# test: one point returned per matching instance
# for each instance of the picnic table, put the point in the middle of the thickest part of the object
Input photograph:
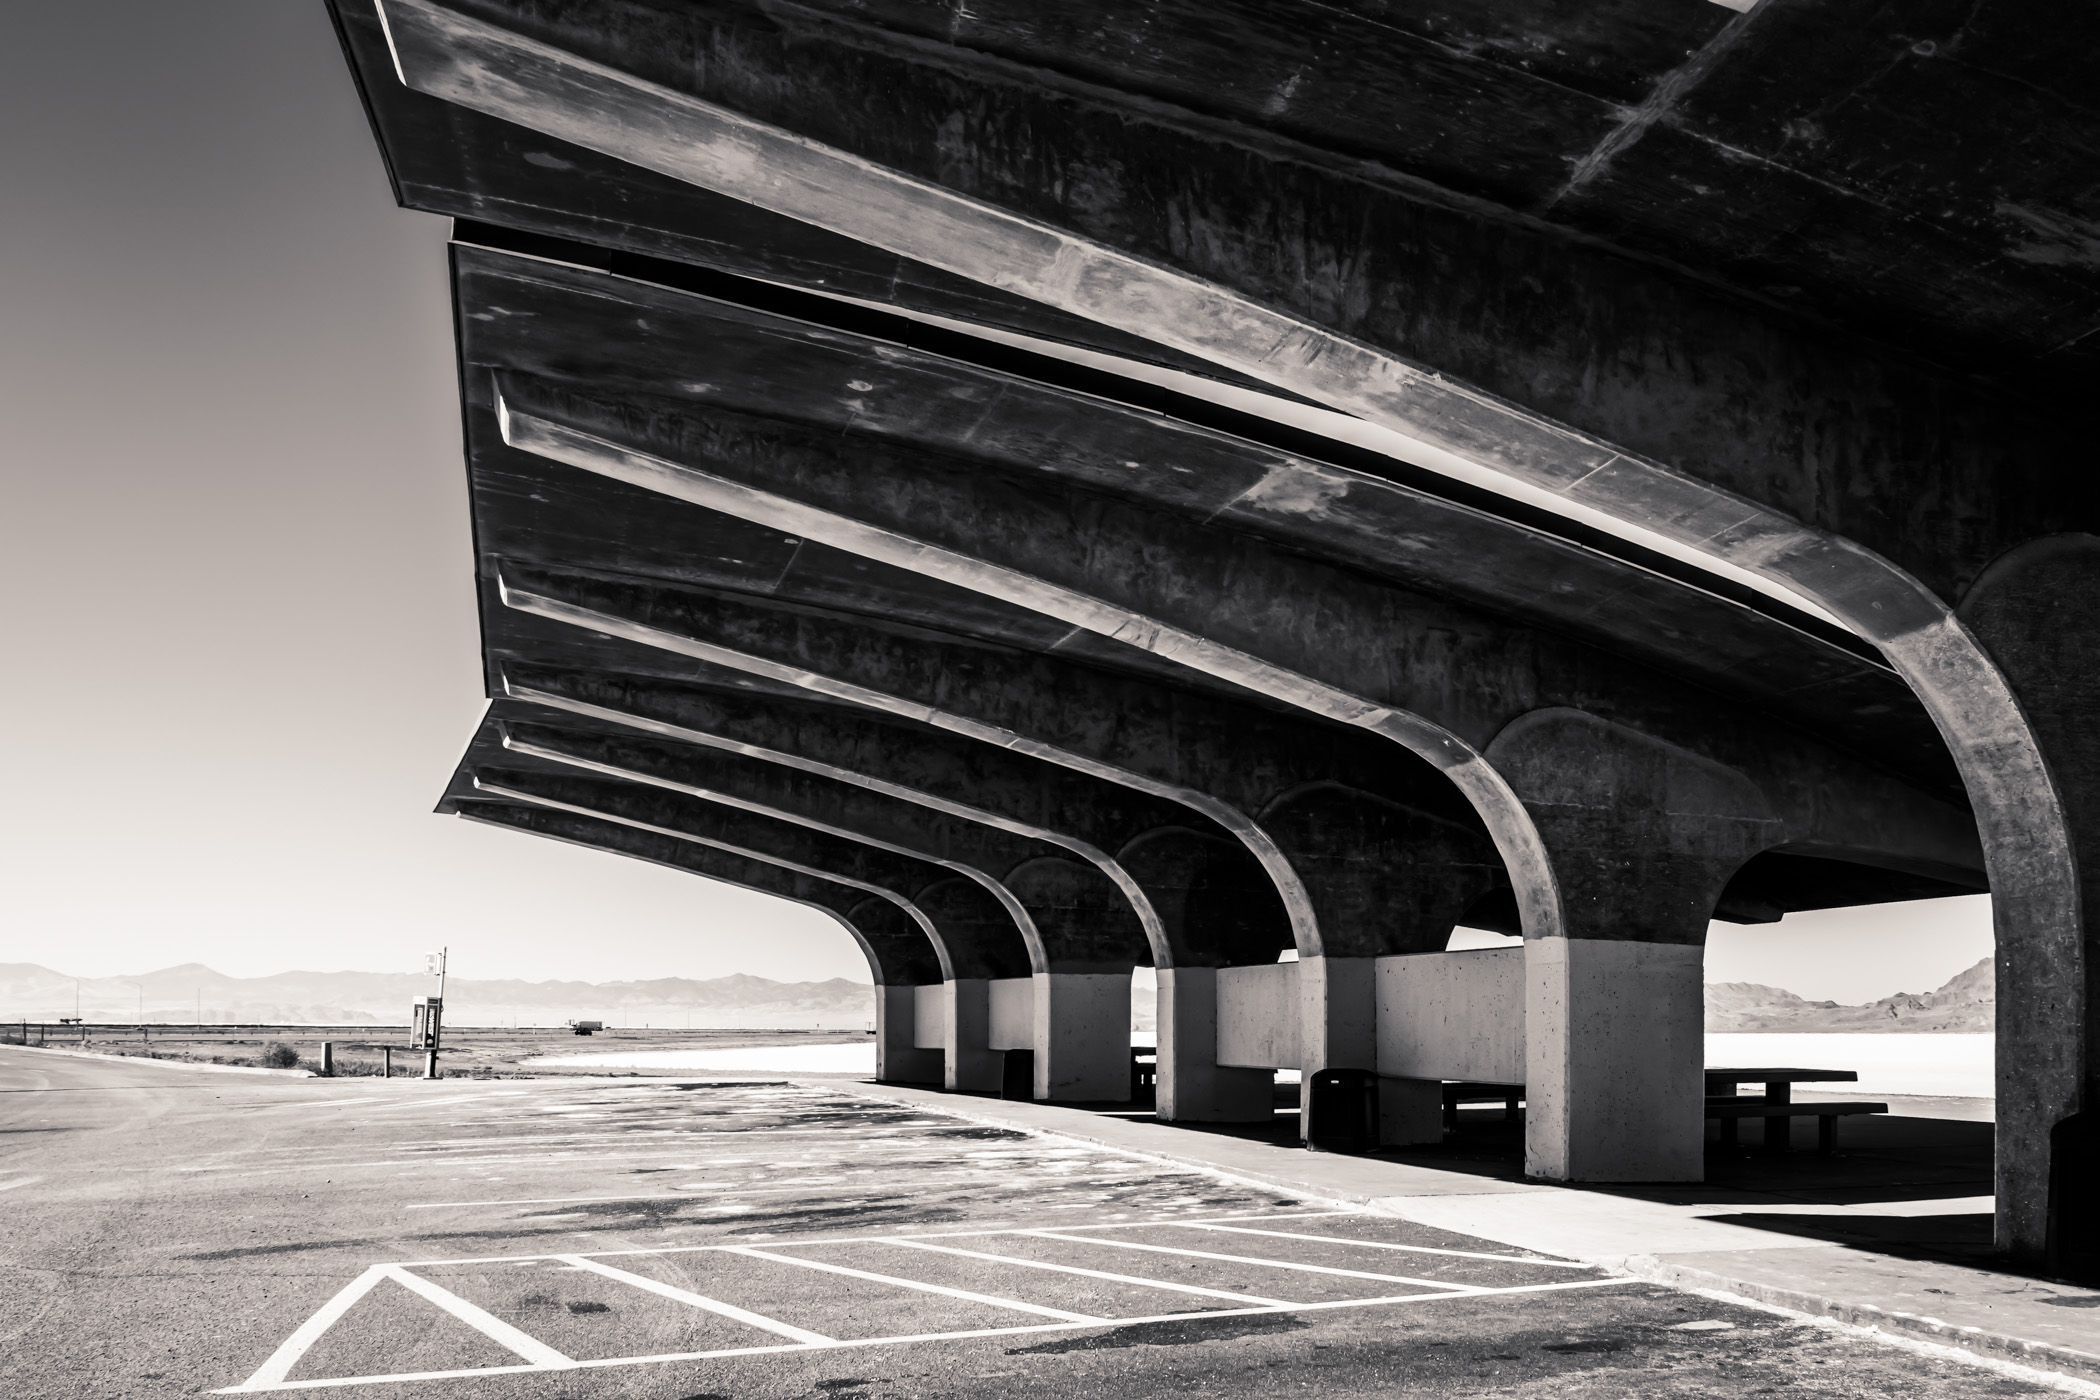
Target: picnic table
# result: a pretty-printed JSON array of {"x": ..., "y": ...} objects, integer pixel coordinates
[{"x": 1776, "y": 1104}]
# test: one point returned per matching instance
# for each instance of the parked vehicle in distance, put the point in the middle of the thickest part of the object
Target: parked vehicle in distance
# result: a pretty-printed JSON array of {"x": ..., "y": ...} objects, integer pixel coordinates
[{"x": 586, "y": 1027}]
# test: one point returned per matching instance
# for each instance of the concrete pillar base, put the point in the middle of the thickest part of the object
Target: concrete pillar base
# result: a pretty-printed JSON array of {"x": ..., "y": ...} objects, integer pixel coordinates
[
  {"x": 1082, "y": 1037},
  {"x": 899, "y": 1058},
  {"x": 1193, "y": 1087},
  {"x": 1614, "y": 1060}
]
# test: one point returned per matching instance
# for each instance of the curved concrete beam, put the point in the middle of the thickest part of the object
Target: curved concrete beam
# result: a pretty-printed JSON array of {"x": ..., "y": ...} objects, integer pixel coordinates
[
  {"x": 1515, "y": 837},
  {"x": 863, "y": 817},
  {"x": 761, "y": 877},
  {"x": 1108, "y": 865},
  {"x": 956, "y": 960},
  {"x": 1148, "y": 768},
  {"x": 903, "y": 905},
  {"x": 991, "y": 886}
]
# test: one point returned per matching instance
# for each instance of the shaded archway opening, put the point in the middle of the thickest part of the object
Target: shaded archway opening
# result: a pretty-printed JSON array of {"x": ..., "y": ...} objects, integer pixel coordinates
[{"x": 1388, "y": 872}]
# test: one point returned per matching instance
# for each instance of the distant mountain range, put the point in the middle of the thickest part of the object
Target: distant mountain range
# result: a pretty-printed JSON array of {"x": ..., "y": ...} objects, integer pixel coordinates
[
  {"x": 1967, "y": 1003},
  {"x": 179, "y": 994}
]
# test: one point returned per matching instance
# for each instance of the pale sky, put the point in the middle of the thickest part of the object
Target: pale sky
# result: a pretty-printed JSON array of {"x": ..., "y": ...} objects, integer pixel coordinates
[
  {"x": 233, "y": 532},
  {"x": 234, "y": 541}
]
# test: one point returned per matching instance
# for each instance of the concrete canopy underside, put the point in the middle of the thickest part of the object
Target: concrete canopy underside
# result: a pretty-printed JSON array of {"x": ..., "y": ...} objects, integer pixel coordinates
[{"x": 1333, "y": 510}]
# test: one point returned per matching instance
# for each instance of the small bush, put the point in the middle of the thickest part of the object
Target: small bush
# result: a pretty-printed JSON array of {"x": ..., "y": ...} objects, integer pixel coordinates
[{"x": 280, "y": 1056}]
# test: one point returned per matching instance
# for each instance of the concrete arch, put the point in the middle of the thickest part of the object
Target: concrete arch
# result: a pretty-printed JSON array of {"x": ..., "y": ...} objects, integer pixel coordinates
[
  {"x": 537, "y": 747},
  {"x": 1392, "y": 878},
  {"x": 1112, "y": 869},
  {"x": 1079, "y": 930},
  {"x": 975, "y": 937},
  {"x": 1530, "y": 873},
  {"x": 1070, "y": 918},
  {"x": 1228, "y": 912},
  {"x": 623, "y": 613},
  {"x": 899, "y": 951}
]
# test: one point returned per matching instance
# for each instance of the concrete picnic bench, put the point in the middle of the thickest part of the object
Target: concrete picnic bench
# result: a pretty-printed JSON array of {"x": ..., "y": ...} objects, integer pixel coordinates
[{"x": 1775, "y": 1106}]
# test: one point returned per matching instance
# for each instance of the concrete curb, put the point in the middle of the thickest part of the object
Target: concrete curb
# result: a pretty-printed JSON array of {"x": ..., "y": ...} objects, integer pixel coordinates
[
  {"x": 166, "y": 1064},
  {"x": 1046, "y": 1119},
  {"x": 2041, "y": 1356}
]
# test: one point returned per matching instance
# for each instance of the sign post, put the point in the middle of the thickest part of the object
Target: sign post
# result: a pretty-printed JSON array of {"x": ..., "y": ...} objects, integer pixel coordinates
[{"x": 430, "y": 1015}]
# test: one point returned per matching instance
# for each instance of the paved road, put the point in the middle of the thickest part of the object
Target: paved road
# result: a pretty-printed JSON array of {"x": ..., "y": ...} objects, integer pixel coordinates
[{"x": 171, "y": 1232}]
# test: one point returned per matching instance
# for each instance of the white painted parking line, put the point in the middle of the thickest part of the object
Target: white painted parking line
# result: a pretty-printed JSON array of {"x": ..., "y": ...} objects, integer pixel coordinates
[
  {"x": 271, "y": 1373},
  {"x": 793, "y": 1241},
  {"x": 541, "y": 1201},
  {"x": 1014, "y": 1304},
  {"x": 658, "y": 1196},
  {"x": 1259, "y": 1263},
  {"x": 1093, "y": 1273},
  {"x": 452, "y": 1102},
  {"x": 628, "y": 1134},
  {"x": 1376, "y": 1244},
  {"x": 1212, "y": 1219},
  {"x": 494, "y": 1328},
  {"x": 713, "y": 1305},
  {"x": 971, "y": 1334}
]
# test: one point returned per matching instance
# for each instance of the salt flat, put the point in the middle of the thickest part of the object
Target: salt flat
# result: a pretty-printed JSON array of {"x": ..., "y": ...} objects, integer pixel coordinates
[{"x": 1937, "y": 1065}]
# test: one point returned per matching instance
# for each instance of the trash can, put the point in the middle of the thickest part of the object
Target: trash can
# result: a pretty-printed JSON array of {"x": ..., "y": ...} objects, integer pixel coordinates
[
  {"x": 1017, "y": 1075},
  {"x": 1343, "y": 1110}
]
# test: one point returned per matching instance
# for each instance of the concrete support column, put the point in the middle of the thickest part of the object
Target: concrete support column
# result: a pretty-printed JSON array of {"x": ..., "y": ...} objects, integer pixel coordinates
[
  {"x": 965, "y": 1010},
  {"x": 1643, "y": 836},
  {"x": 1614, "y": 1053},
  {"x": 1082, "y": 1036},
  {"x": 899, "y": 1059},
  {"x": 2036, "y": 609},
  {"x": 1193, "y": 1086},
  {"x": 1338, "y": 1029}
]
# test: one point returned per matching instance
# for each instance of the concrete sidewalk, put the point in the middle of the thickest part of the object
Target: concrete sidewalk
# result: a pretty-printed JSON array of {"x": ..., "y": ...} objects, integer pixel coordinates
[{"x": 1714, "y": 1246}]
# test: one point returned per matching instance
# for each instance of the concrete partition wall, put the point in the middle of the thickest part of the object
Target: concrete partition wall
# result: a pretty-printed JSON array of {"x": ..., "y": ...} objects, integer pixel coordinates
[
  {"x": 1194, "y": 1084},
  {"x": 1257, "y": 1016},
  {"x": 1082, "y": 1036},
  {"x": 1457, "y": 1015},
  {"x": 1322, "y": 1013},
  {"x": 1011, "y": 1021},
  {"x": 955, "y": 1017},
  {"x": 899, "y": 1057}
]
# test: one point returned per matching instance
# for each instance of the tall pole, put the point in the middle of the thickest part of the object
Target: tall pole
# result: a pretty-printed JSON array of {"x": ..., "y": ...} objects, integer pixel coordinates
[{"x": 437, "y": 1030}]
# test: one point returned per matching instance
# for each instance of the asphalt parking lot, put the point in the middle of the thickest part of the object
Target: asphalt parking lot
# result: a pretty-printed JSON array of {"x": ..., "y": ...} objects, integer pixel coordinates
[{"x": 172, "y": 1232}]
